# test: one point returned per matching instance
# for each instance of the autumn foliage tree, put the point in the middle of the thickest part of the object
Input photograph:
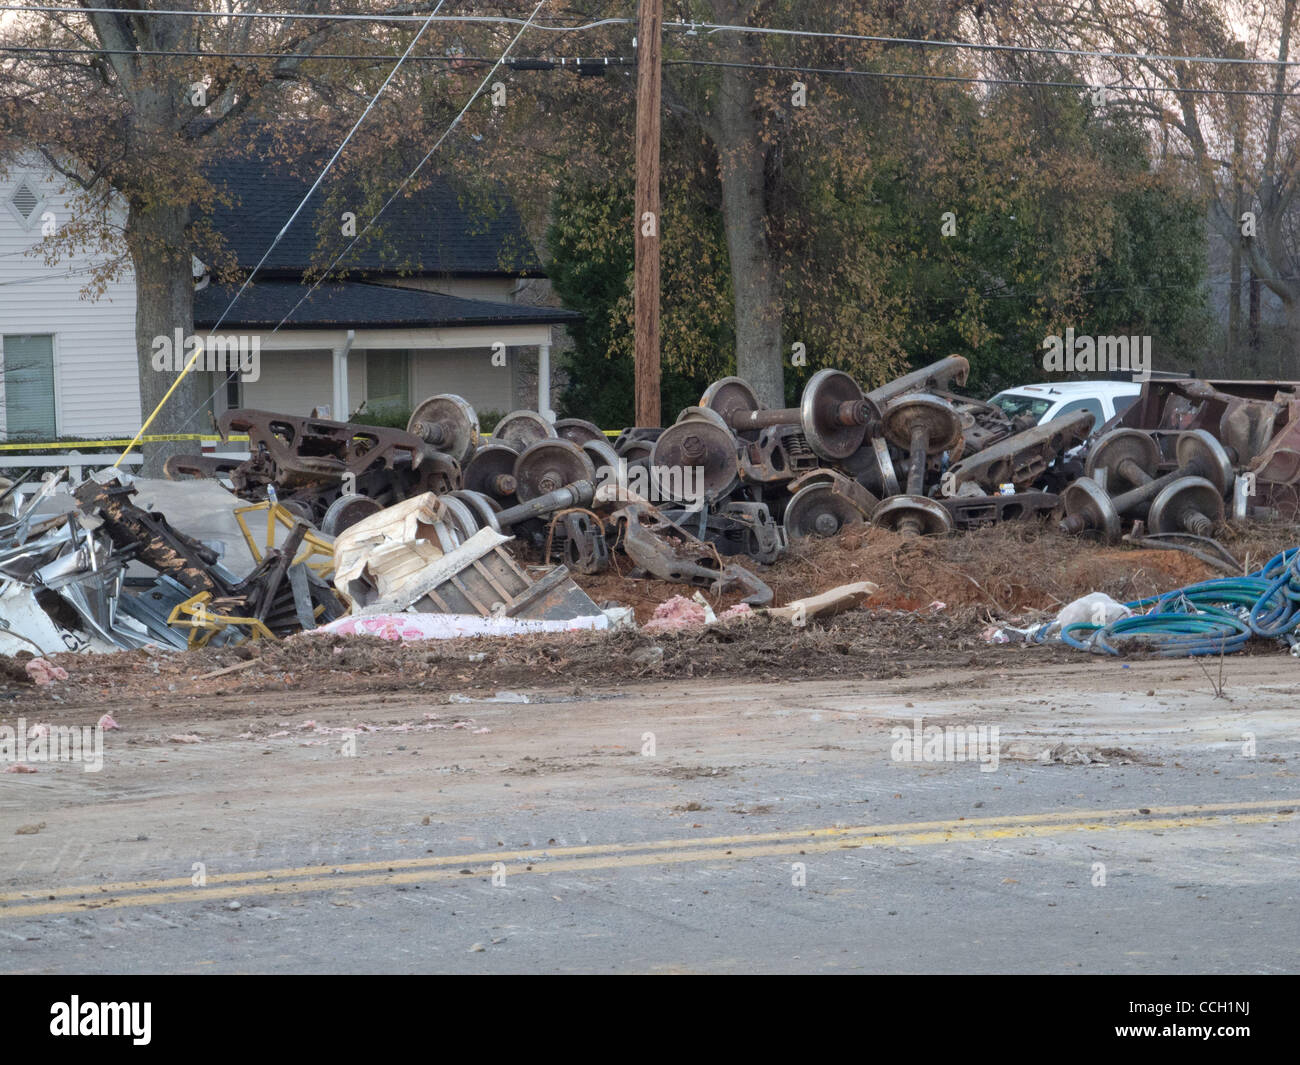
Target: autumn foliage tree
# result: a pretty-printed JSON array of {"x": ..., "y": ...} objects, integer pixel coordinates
[
  {"x": 133, "y": 109},
  {"x": 861, "y": 203},
  {"x": 1227, "y": 131},
  {"x": 896, "y": 214}
]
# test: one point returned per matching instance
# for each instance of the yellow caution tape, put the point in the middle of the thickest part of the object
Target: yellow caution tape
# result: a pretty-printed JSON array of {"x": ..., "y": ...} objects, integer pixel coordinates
[
  {"x": 55, "y": 445},
  {"x": 166, "y": 396},
  {"x": 155, "y": 438}
]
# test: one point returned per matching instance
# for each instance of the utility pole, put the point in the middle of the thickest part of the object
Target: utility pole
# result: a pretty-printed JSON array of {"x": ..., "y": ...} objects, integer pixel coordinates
[{"x": 649, "y": 76}]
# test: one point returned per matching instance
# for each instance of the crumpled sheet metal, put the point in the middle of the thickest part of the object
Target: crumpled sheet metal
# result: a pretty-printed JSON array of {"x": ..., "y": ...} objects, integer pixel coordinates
[
  {"x": 25, "y": 625},
  {"x": 380, "y": 552},
  {"x": 69, "y": 582}
]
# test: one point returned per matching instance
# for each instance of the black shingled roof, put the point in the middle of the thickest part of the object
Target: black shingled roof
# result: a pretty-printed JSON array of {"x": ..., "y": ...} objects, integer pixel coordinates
[
  {"x": 356, "y": 304},
  {"x": 439, "y": 230}
]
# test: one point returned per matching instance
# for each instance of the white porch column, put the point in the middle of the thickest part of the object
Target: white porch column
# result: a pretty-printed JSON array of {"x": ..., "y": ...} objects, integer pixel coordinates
[
  {"x": 544, "y": 381},
  {"x": 340, "y": 356}
]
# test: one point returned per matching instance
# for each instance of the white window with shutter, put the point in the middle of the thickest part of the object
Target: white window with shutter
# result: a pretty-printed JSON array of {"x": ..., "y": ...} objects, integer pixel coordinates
[{"x": 29, "y": 397}]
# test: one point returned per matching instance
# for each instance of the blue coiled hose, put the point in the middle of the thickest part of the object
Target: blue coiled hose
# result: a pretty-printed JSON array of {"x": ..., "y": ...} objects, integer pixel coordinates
[{"x": 1209, "y": 618}]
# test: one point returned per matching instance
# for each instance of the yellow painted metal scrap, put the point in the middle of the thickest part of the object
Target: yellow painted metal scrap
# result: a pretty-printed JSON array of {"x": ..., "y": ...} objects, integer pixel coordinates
[
  {"x": 205, "y": 624},
  {"x": 316, "y": 551}
]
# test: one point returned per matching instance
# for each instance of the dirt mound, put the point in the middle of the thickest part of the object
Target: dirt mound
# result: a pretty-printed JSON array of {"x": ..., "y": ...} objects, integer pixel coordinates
[{"x": 1008, "y": 569}]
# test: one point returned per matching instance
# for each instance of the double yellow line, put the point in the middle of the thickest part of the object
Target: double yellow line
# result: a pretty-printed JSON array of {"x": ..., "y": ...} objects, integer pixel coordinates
[{"x": 593, "y": 857}]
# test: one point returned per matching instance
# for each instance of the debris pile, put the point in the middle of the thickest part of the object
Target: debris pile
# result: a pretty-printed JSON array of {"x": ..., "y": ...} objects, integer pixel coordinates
[
  {"x": 730, "y": 478},
  {"x": 1189, "y": 455},
  {"x": 914, "y": 457},
  {"x": 109, "y": 575},
  {"x": 434, "y": 530},
  {"x": 910, "y": 456},
  {"x": 561, "y": 490}
]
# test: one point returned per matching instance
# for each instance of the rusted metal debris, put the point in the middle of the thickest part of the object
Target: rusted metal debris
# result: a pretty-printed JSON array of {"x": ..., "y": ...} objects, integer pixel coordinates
[
  {"x": 1256, "y": 422},
  {"x": 916, "y": 457},
  {"x": 531, "y": 482},
  {"x": 731, "y": 478},
  {"x": 310, "y": 463},
  {"x": 663, "y": 549},
  {"x": 150, "y": 538},
  {"x": 472, "y": 527},
  {"x": 468, "y": 526},
  {"x": 911, "y": 455}
]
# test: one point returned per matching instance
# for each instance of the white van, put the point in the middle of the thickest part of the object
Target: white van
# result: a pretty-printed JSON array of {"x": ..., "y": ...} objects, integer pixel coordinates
[{"x": 1047, "y": 402}]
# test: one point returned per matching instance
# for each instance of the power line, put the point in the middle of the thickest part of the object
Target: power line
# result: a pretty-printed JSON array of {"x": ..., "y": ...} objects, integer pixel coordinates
[
  {"x": 581, "y": 63},
  {"x": 302, "y": 16},
  {"x": 196, "y": 53},
  {"x": 328, "y": 166},
  {"x": 791, "y": 68},
  {"x": 691, "y": 28},
  {"x": 283, "y": 230},
  {"x": 70, "y": 272},
  {"x": 387, "y": 203},
  {"x": 409, "y": 177},
  {"x": 520, "y": 63}
]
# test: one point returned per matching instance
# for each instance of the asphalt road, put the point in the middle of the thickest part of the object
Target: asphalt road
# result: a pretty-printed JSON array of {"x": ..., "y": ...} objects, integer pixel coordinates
[{"x": 770, "y": 828}]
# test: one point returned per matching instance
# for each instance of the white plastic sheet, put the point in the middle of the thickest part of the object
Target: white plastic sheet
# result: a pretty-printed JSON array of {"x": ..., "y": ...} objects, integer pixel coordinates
[{"x": 420, "y": 626}]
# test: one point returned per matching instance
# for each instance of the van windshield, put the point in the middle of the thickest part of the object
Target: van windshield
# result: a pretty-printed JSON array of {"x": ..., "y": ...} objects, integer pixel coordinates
[{"x": 1014, "y": 406}]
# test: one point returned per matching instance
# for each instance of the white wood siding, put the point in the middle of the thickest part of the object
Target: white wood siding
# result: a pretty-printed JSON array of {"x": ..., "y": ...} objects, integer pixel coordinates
[
  {"x": 292, "y": 382},
  {"x": 469, "y": 374},
  {"x": 97, "y": 388}
]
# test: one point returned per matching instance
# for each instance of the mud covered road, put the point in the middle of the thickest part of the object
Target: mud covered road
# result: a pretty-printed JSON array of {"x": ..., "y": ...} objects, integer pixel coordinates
[{"x": 423, "y": 817}]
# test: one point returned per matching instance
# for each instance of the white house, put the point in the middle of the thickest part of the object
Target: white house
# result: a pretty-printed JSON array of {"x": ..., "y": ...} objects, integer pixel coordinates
[
  {"x": 435, "y": 299},
  {"x": 69, "y": 366}
]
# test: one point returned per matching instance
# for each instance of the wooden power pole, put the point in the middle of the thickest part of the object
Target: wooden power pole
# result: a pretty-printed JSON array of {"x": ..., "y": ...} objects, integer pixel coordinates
[{"x": 646, "y": 283}]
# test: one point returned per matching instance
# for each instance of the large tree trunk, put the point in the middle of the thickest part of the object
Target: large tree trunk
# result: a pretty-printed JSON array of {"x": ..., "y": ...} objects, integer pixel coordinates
[
  {"x": 1288, "y": 363},
  {"x": 157, "y": 238},
  {"x": 754, "y": 274},
  {"x": 1253, "y": 327},
  {"x": 1234, "y": 286}
]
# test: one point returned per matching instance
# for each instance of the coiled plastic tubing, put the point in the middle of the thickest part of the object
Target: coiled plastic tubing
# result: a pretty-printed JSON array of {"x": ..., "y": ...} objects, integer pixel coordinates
[{"x": 1210, "y": 618}]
